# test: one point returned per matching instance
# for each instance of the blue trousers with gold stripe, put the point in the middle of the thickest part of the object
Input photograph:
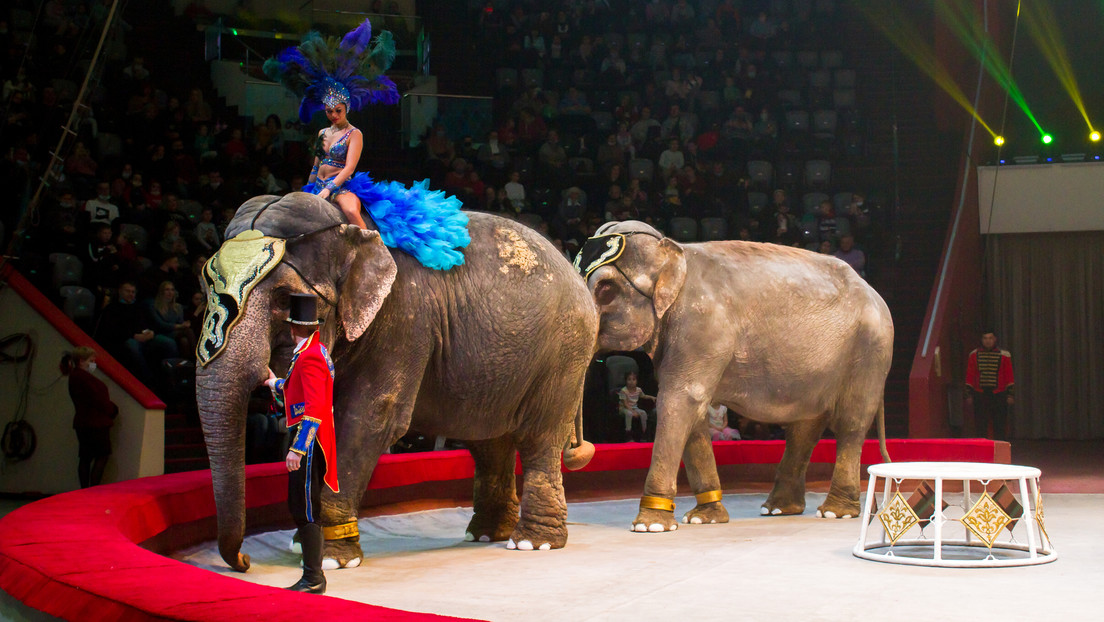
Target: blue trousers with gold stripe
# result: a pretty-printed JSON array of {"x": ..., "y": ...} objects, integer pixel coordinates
[{"x": 305, "y": 485}]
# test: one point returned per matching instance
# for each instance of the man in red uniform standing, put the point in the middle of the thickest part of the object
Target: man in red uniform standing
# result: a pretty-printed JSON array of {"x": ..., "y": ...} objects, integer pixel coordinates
[
  {"x": 307, "y": 396},
  {"x": 989, "y": 377}
]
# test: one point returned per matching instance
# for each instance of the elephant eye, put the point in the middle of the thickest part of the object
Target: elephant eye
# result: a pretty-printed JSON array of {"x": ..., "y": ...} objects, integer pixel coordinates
[
  {"x": 605, "y": 292},
  {"x": 280, "y": 299}
]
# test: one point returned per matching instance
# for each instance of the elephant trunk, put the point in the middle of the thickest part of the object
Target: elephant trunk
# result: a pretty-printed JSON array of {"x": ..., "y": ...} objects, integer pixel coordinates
[{"x": 222, "y": 393}]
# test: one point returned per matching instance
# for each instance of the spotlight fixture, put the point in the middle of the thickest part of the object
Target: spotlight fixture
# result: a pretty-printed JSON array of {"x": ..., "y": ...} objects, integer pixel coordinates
[
  {"x": 999, "y": 140},
  {"x": 1047, "y": 139},
  {"x": 1095, "y": 136}
]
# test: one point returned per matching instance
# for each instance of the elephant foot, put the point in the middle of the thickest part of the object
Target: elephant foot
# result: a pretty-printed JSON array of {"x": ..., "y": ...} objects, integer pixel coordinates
[
  {"x": 483, "y": 528},
  {"x": 835, "y": 507},
  {"x": 537, "y": 537},
  {"x": 706, "y": 514},
  {"x": 654, "y": 521},
  {"x": 342, "y": 554},
  {"x": 783, "y": 503}
]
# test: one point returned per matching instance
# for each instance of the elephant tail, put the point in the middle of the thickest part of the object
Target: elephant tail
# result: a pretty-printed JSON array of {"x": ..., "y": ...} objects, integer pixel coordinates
[{"x": 881, "y": 432}]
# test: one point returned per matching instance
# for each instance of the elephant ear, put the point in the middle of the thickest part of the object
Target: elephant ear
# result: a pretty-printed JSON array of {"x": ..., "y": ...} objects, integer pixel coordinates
[
  {"x": 671, "y": 276},
  {"x": 368, "y": 274}
]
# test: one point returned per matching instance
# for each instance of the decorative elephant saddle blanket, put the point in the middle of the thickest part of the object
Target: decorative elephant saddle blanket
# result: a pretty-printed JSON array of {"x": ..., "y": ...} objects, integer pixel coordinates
[{"x": 230, "y": 275}]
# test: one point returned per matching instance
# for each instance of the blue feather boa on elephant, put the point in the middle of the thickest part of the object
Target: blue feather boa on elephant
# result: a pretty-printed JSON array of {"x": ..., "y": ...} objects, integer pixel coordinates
[{"x": 426, "y": 223}]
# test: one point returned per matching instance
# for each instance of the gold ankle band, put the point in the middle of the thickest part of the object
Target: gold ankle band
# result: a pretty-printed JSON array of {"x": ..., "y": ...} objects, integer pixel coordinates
[
  {"x": 657, "y": 503},
  {"x": 340, "y": 532},
  {"x": 711, "y": 496}
]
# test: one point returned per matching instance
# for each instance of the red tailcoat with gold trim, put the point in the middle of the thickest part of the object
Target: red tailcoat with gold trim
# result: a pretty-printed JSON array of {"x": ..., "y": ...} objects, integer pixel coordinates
[{"x": 307, "y": 394}]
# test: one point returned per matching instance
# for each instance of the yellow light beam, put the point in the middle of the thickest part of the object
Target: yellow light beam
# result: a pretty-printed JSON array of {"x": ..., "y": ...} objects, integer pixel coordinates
[
  {"x": 891, "y": 21},
  {"x": 1043, "y": 28}
]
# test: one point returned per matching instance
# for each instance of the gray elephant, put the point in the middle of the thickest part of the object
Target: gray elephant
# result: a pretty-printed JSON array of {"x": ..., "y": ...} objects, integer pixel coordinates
[
  {"x": 776, "y": 334},
  {"x": 492, "y": 352}
]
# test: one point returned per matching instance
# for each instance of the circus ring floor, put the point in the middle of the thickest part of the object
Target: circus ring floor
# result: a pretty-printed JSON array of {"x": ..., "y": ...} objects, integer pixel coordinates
[{"x": 119, "y": 552}]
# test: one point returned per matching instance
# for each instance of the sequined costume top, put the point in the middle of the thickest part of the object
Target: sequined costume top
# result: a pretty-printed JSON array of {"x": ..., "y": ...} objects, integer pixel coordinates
[{"x": 338, "y": 152}]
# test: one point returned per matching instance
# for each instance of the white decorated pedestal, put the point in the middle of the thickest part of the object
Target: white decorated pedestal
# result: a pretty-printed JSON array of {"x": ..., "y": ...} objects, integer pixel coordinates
[{"x": 996, "y": 520}]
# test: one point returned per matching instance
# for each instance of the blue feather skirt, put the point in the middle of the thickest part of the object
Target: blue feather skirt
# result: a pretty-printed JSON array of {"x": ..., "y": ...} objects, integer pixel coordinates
[{"x": 427, "y": 224}]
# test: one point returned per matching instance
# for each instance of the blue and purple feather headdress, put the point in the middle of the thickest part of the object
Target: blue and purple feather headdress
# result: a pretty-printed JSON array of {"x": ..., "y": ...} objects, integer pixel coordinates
[{"x": 324, "y": 71}]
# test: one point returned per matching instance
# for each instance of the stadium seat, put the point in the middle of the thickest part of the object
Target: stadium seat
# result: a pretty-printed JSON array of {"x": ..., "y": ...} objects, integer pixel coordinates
[
  {"x": 582, "y": 167},
  {"x": 683, "y": 229},
  {"x": 617, "y": 367},
  {"x": 783, "y": 59},
  {"x": 840, "y": 201},
  {"x": 797, "y": 120},
  {"x": 642, "y": 169},
  {"x": 757, "y": 201},
  {"x": 808, "y": 59},
  {"x": 831, "y": 59},
  {"x": 507, "y": 78},
  {"x": 790, "y": 173},
  {"x": 811, "y": 200},
  {"x": 845, "y": 78},
  {"x": 824, "y": 123},
  {"x": 603, "y": 121},
  {"x": 760, "y": 172},
  {"x": 137, "y": 235},
  {"x": 820, "y": 79},
  {"x": 790, "y": 98},
  {"x": 68, "y": 269},
  {"x": 818, "y": 173},
  {"x": 710, "y": 100},
  {"x": 78, "y": 302},
  {"x": 532, "y": 77},
  {"x": 713, "y": 229},
  {"x": 192, "y": 209},
  {"x": 843, "y": 98}
]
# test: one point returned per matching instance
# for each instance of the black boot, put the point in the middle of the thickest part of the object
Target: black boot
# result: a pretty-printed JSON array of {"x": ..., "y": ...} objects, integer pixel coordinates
[{"x": 313, "y": 581}]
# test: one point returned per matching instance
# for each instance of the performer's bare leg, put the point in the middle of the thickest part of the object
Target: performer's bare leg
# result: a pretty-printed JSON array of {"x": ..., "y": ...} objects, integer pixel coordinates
[{"x": 350, "y": 206}]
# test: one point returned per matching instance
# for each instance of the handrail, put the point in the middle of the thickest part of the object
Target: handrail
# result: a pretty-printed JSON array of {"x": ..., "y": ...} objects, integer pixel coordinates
[{"x": 74, "y": 335}]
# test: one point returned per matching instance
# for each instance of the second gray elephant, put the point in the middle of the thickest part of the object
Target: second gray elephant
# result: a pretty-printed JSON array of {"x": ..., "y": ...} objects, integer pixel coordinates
[{"x": 776, "y": 334}]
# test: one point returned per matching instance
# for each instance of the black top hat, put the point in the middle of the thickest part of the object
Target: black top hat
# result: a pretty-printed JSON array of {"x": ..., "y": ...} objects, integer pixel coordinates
[{"x": 304, "y": 310}]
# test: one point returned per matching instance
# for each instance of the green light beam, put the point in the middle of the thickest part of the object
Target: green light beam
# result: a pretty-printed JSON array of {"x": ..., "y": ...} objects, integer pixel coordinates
[{"x": 971, "y": 33}]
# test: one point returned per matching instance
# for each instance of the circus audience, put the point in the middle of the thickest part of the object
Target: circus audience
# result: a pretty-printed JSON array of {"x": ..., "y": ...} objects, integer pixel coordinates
[{"x": 618, "y": 110}]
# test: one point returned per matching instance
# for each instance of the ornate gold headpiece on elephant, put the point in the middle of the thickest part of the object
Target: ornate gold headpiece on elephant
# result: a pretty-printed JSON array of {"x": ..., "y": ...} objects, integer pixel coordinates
[{"x": 255, "y": 243}]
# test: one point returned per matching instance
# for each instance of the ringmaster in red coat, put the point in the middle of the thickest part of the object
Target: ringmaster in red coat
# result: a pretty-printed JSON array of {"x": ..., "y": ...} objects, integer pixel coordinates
[
  {"x": 989, "y": 378},
  {"x": 307, "y": 396}
]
